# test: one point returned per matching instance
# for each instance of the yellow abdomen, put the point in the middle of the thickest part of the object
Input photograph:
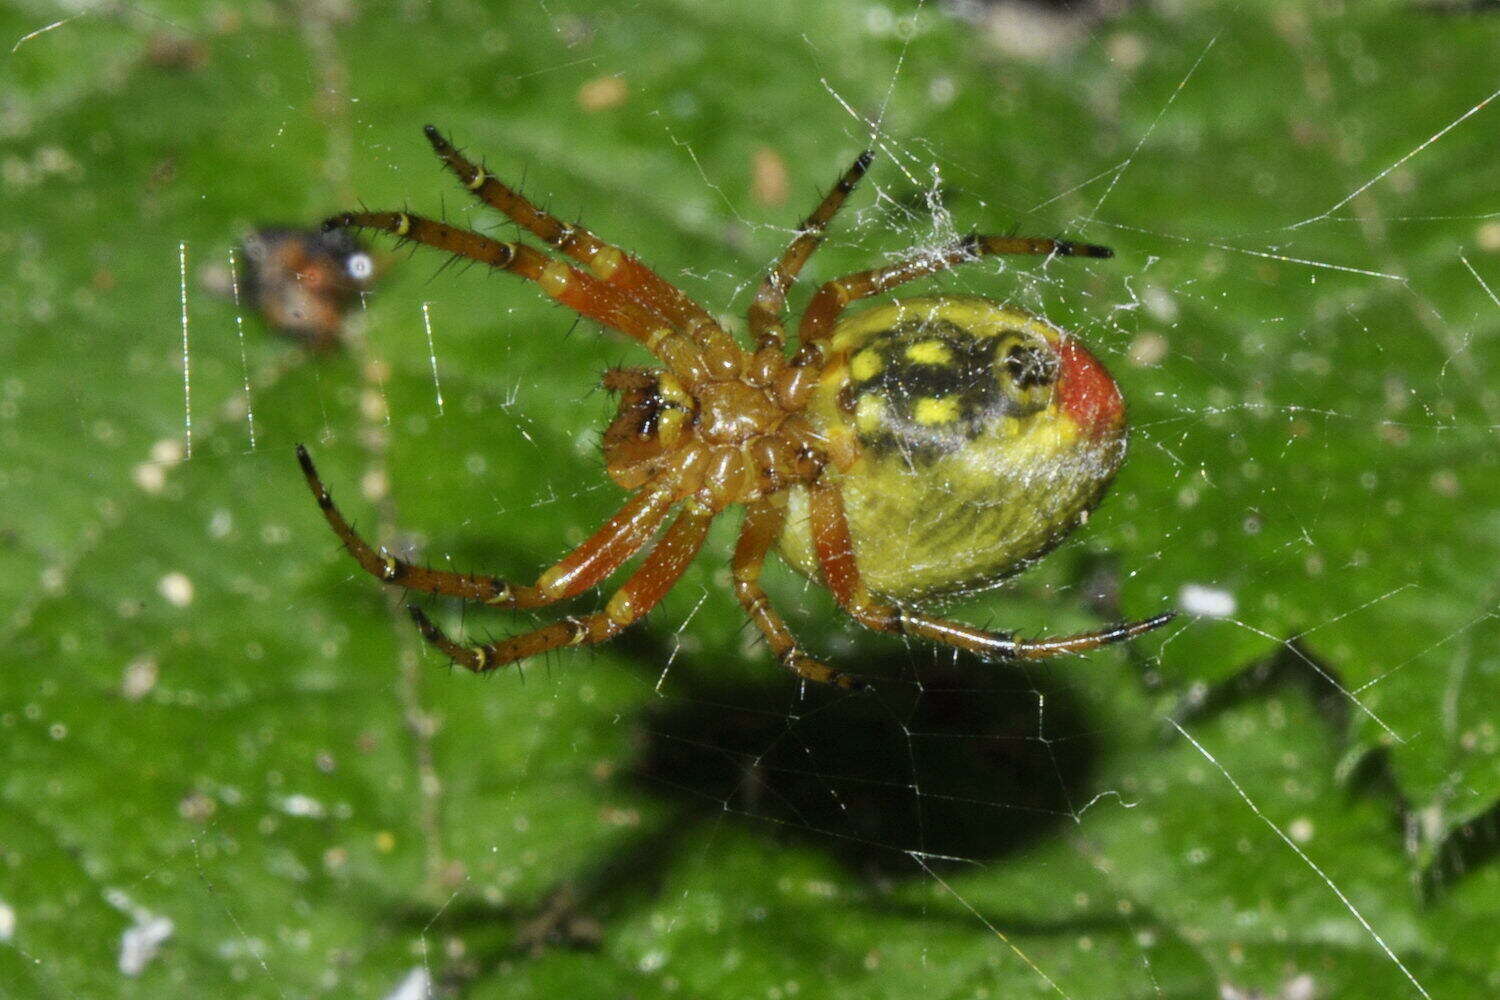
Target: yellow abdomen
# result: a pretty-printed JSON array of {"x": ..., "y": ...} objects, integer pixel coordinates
[{"x": 967, "y": 439}]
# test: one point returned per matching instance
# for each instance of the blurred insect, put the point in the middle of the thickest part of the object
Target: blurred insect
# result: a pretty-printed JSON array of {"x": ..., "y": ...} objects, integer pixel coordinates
[
  {"x": 302, "y": 281},
  {"x": 921, "y": 448}
]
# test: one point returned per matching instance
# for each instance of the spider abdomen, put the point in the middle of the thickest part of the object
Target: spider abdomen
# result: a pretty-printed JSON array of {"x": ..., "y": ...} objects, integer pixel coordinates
[{"x": 967, "y": 439}]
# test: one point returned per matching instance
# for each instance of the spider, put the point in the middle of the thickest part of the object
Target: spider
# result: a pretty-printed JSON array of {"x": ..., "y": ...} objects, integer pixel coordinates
[{"x": 922, "y": 448}]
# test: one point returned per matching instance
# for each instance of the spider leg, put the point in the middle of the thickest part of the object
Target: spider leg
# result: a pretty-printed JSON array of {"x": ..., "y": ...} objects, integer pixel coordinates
[
  {"x": 607, "y": 263},
  {"x": 637, "y": 595},
  {"x": 830, "y": 531},
  {"x": 832, "y": 298},
  {"x": 580, "y": 292},
  {"x": 695, "y": 359},
  {"x": 765, "y": 310},
  {"x": 604, "y": 552},
  {"x": 763, "y": 522}
]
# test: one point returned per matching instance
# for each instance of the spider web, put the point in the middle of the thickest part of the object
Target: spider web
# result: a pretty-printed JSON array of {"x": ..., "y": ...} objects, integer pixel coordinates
[{"x": 236, "y": 764}]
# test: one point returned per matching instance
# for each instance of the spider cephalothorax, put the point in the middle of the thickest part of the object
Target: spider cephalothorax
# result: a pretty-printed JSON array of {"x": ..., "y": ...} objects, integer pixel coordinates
[{"x": 922, "y": 447}]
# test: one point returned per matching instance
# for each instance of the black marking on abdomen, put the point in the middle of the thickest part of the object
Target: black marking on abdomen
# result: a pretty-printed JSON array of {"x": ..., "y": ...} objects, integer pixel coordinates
[{"x": 928, "y": 368}]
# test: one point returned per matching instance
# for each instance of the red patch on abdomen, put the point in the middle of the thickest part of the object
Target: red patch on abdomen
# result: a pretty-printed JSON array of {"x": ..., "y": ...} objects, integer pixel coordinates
[{"x": 1087, "y": 392}]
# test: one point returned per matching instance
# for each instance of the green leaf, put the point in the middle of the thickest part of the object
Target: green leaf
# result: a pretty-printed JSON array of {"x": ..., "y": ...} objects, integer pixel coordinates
[{"x": 234, "y": 769}]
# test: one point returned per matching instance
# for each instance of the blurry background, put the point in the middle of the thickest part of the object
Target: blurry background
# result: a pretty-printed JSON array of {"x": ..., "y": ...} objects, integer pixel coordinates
[{"x": 232, "y": 769}]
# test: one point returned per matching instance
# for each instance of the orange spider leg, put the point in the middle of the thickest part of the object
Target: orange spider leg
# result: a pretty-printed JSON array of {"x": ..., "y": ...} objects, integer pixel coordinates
[
  {"x": 580, "y": 292},
  {"x": 605, "y": 261},
  {"x": 765, "y": 310},
  {"x": 762, "y": 527},
  {"x": 604, "y": 552},
  {"x": 831, "y": 299},
  {"x": 645, "y": 588},
  {"x": 830, "y": 531}
]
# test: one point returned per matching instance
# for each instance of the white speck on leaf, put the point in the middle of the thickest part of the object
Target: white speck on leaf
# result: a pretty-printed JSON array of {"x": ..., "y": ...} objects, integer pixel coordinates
[
  {"x": 1207, "y": 602},
  {"x": 140, "y": 678},
  {"x": 177, "y": 589},
  {"x": 141, "y": 940},
  {"x": 303, "y": 805},
  {"x": 417, "y": 985}
]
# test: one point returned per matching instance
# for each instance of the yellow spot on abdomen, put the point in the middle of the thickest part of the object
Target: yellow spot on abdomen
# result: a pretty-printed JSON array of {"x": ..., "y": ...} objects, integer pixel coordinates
[
  {"x": 869, "y": 413},
  {"x": 931, "y": 411},
  {"x": 929, "y": 352},
  {"x": 1043, "y": 438},
  {"x": 866, "y": 365}
]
